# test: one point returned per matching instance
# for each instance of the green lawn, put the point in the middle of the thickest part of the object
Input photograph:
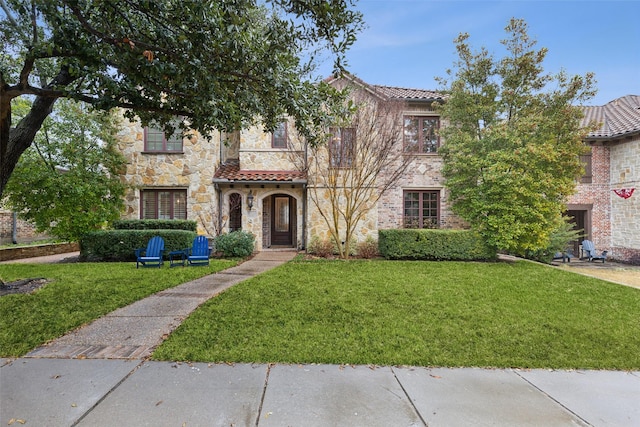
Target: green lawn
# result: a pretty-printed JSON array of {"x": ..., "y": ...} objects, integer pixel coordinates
[
  {"x": 77, "y": 294},
  {"x": 416, "y": 313}
]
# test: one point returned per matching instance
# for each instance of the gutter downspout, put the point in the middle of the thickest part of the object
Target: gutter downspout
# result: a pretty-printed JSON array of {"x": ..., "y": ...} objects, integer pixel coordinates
[
  {"x": 304, "y": 217},
  {"x": 14, "y": 227}
]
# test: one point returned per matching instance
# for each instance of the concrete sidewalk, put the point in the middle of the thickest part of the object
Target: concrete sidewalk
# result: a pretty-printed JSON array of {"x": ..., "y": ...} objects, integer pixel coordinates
[
  {"x": 90, "y": 392},
  {"x": 98, "y": 375}
]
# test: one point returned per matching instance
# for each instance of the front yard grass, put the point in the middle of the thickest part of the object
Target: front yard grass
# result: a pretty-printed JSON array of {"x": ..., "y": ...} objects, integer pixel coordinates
[
  {"x": 78, "y": 293},
  {"x": 416, "y": 313}
]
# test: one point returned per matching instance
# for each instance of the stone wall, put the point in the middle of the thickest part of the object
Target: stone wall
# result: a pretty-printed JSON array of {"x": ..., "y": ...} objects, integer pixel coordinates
[
  {"x": 625, "y": 213},
  {"x": 191, "y": 170},
  {"x": 10, "y": 254},
  {"x": 256, "y": 153}
]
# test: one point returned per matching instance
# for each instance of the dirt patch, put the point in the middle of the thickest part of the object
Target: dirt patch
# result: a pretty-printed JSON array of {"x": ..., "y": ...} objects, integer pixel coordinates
[{"x": 23, "y": 286}]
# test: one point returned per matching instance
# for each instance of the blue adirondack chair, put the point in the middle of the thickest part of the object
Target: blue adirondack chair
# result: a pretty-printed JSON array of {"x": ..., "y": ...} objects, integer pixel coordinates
[
  {"x": 152, "y": 255},
  {"x": 198, "y": 253},
  {"x": 589, "y": 249}
]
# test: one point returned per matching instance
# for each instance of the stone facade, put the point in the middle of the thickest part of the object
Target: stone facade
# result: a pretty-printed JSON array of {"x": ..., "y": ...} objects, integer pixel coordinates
[
  {"x": 625, "y": 213},
  {"x": 191, "y": 170},
  {"x": 239, "y": 180}
]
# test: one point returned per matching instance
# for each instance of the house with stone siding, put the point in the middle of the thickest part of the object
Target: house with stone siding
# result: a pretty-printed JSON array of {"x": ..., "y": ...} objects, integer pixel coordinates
[
  {"x": 253, "y": 179},
  {"x": 606, "y": 204}
]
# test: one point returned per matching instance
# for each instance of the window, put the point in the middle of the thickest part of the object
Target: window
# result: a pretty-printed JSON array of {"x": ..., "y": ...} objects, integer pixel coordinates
[
  {"x": 164, "y": 204},
  {"x": 586, "y": 162},
  {"x": 421, "y": 209},
  {"x": 235, "y": 212},
  {"x": 420, "y": 134},
  {"x": 154, "y": 139},
  {"x": 279, "y": 136},
  {"x": 341, "y": 147}
]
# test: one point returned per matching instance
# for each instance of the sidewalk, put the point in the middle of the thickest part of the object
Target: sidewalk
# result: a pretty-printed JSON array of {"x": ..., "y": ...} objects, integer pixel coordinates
[
  {"x": 98, "y": 375},
  {"x": 92, "y": 393}
]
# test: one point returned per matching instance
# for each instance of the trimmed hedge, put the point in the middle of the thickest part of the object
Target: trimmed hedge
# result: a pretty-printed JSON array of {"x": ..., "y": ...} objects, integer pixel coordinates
[
  {"x": 427, "y": 244},
  {"x": 120, "y": 245},
  {"x": 155, "y": 224}
]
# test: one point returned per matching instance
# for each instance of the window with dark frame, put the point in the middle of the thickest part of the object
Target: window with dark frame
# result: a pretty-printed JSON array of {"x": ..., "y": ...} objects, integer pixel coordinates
[
  {"x": 587, "y": 177},
  {"x": 420, "y": 134},
  {"x": 341, "y": 147},
  {"x": 279, "y": 136},
  {"x": 235, "y": 212},
  {"x": 156, "y": 141},
  {"x": 163, "y": 204},
  {"x": 421, "y": 209}
]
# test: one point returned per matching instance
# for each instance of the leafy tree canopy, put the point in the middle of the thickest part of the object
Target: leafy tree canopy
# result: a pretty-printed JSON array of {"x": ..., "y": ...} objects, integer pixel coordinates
[
  {"x": 67, "y": 183},
  {"x": 220, "y": 63},
  {"x": 512, "y": 141}
]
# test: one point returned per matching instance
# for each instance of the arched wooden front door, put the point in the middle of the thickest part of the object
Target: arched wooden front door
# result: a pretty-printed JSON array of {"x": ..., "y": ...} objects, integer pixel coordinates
[{"x": 282, "y": 221}]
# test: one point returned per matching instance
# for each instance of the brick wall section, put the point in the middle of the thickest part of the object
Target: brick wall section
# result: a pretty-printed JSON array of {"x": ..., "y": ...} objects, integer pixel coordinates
[
  {"x": 597, "y": 194},
  {"x": 26, "y": 232}
]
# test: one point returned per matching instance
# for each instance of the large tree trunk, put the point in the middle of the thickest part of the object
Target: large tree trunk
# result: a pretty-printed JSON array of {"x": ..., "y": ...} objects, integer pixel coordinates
[{"x": 14, "y": 142}]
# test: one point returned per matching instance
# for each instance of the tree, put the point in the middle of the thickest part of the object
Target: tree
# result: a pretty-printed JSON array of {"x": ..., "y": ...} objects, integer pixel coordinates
[
  {"x": 67, "y": 182},
  {"x": 223, "y": 64},
  {"x": 512, "y": 141},
  {"x": 361, "y": 161}
]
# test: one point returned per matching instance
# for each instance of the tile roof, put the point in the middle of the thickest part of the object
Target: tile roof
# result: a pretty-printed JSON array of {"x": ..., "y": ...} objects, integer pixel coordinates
[
  {"x": 409, "y": 94},
  {"x": 231, "y": 172},
  {"x": 617, "y": 119}
]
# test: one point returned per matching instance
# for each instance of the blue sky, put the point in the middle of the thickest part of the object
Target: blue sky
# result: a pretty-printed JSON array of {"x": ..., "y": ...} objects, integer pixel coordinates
[{"x": 409, "y": 42}]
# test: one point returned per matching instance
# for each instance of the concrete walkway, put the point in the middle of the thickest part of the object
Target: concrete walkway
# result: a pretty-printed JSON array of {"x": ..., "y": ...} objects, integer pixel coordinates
[
  {"x": 132, "y": 332},
  {"x": 98, "y": 375}
]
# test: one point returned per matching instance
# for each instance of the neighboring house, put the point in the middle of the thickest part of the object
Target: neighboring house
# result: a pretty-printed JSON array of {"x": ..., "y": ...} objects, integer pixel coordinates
[
  {"x": 607, "y": 202},
  {"x": 259, "y": 181}
]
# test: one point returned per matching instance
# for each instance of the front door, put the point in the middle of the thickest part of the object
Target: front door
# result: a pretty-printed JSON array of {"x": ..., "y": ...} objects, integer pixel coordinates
[
  {"x": 281, "y": 224},
  {"x": 579, "y": 220}
]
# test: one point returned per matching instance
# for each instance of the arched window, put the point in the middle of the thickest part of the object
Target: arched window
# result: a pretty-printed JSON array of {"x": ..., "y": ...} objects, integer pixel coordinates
[{"x": 235, "y": 212}]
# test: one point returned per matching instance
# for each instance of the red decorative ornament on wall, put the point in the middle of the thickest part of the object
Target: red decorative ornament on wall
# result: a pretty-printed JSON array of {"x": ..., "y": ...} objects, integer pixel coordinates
[{"x": 625, "y": 193}]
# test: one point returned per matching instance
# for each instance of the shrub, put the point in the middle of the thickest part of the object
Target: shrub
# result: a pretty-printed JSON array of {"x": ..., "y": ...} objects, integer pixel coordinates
[
  {"x": 155, "y": 224},
  {"x": 323, "y": 248},
  {"x": 120, "y": 245},
  {"x": 421, "y": 244},
  {"x": 235, "y": 244},
  {"x": 369, "y": 248}
]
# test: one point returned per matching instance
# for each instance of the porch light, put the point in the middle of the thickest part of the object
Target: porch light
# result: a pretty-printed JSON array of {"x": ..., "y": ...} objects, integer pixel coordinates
[{"x": 250, "y": 200}]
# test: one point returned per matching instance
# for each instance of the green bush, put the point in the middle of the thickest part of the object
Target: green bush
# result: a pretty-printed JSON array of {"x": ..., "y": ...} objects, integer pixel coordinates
[
  {"x": 235, "y": 244},
  {"x": 120, "y": 245},
  {"x": 422, "y": 244},
  {"x": 155, "y": 224}
]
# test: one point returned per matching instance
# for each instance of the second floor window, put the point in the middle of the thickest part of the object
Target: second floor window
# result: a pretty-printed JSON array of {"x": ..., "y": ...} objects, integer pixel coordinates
[
  {"x": 155, "y": 140},
  {"x": 164, "y": 204},
  {"x": 279, "y": 136},
  {"x": 588, "y": 174},
  {"x": 420, "y": 134},
  {"x": 341, "y": 147}
]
